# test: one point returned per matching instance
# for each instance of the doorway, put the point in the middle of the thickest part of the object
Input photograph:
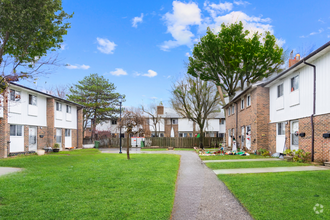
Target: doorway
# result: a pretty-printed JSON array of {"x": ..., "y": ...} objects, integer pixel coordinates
[
  {"x": 68, "y": 139},
  {"x": 280, "y": 137},
  {"x": 294, "y": 135},
  {"x": 33, "y": 139},
  {"x": 59, "y": 137}
]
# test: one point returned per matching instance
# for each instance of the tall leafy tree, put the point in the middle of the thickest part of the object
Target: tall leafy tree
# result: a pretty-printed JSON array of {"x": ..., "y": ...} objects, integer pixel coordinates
[
  {"x": 28, "y": 31},
  {"x": 235, "y": 57},
  {"x": 196, "y": 100},
  {"x": 98, "y": 96}
]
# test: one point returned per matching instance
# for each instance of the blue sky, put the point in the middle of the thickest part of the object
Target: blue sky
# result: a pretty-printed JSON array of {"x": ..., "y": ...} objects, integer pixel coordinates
[{"x": 142, "y": 46}]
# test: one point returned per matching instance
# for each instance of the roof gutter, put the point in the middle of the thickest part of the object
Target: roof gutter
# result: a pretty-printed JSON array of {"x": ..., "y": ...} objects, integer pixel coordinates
[{"x": 314, "y": 101}]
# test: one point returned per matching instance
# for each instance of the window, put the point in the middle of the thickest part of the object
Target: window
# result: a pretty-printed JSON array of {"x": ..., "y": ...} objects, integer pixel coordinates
[
  {"x": 114, "y": 122},
  {"x": 175, "y": 121},
  {"x": 242, "y": 103},
  {"x": 32, "y": 100},
  {"x": 190, "y": 134},
  {"x": 222, "y": 121},
  {"x": 280, "y": 90},
  {"x": 233, "y": 109},
  {"x": 15, "y": 130},
  {"x": 58, "y": 106},
  {"x": 281, "y": 128},
  {"x": 67, "y": 132},
  {"x": 68, "y": 109},
  {"x": 15, "y": 95},
  {"x": 161, "y": 134},
  {"x": 229, "y": 111},
  {"x": 248, "y": 99},
  {"x": 294, "y": 83}
]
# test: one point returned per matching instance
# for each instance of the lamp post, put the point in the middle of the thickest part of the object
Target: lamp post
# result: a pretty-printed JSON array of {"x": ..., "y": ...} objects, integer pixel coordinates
[{"x": 120, "y": 99}]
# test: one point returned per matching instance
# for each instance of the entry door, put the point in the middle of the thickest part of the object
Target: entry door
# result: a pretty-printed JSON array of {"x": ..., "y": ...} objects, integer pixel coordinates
[
  {"x": 33, "y": 139},
  {"x": 68, "y": 138},
  {"x": 59, "y": 137},
  {"x": 280, "y": 137},
  {"x": 248, "y": 137},
  {"x": 229, "y": 137},
  {"x": 294, "y": 135},
  {"x": 242, "y": 137}
]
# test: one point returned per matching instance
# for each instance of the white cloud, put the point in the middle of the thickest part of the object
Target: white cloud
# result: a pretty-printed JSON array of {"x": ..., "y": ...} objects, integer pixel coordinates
[
  {"x": 320, "y": 20},
  {"x": 150, "y": 73},
  {"x": 118, "y": 72},
  {"x": 187, "y": 54},
  {"x": 280, "y": 42},
  {"x": 215, "y": 9},
  {"x": 137, "y": 20},
  {"x": 72, "y": 67},
  {"x": 105, "y": 46},
  {"x": 240, "y": 2},
  {"x": 313, "y": 33},
  {"x": 178, "y": 24},
  {"x": 153, "y": 98},
  {"x": 328, "y": 36},
  {"x": 63, "y": 46}
]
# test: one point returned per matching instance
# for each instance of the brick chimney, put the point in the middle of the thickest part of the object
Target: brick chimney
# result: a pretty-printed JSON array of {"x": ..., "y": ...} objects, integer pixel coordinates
[
  {"x": 295, "y": 60},
  {"x": 160, "y": 110}
]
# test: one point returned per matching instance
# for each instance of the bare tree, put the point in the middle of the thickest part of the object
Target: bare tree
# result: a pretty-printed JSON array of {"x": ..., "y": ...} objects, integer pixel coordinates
[
  {"x": 156, "y": 118},
  {"x": 132, "y": 121},
  {"x": 196, "y": 100}
]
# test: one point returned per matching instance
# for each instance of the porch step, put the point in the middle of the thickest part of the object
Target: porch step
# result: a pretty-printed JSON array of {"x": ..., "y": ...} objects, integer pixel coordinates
[{"x": 327, "y": 164}]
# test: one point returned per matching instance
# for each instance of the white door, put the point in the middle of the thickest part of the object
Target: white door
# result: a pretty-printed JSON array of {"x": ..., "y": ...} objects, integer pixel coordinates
[
  {"x": 59, "y": 137},
  {"x": 248, "y": 137},
  {"x": 68, "y": 138},
  {"x": 16, "y": 138},
  {"x": 242, "y": 138},
  {"x": 229, "y": 137},
  {"x": 33, "y": 139},
  {"x": 280, "y": 137},
  {"x": 294, "y": 135}
]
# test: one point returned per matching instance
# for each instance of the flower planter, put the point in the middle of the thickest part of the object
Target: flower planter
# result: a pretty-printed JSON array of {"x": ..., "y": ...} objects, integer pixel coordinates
[
  {"x": 56, "y": 150},
  {"x": 40, "y": 152},
  {"x": 288, "y": 158}
]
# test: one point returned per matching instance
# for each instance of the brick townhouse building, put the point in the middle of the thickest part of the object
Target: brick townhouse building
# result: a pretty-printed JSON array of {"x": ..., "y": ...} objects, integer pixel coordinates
[
  {"x": 288, "y": 111},
  {"x": 31, "y": 120},
  {"x": 171, "y": 124}
]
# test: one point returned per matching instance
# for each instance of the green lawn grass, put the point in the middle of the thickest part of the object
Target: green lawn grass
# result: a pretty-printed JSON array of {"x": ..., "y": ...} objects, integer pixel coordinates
[
  {"x": 285, "y": 195},
  {"x": 164, "y": 149},
  {"x": 86, "y": 184},
  {"x": 233, "y": 157},
  {"x": 252, "y": 164}
]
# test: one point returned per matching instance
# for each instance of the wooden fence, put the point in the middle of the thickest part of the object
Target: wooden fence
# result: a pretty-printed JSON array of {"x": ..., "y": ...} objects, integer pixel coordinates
[{"x": 162, "y": 142}]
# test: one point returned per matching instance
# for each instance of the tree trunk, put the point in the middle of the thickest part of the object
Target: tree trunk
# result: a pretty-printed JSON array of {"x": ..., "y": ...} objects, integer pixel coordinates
[
  {"x": 201, "y": 139},
  {"x": 128, "y": 157},
  {"x": 221, "y": 95}
]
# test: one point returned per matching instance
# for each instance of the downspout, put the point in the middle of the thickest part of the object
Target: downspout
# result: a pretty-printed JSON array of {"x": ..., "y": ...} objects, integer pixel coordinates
[
  {"x": 236, "y": 139},
  {"x": 314, "y": 99}
]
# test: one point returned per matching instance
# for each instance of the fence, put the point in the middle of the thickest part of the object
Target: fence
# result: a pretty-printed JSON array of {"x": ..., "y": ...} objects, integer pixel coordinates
[{"x": 162, "y": 142}]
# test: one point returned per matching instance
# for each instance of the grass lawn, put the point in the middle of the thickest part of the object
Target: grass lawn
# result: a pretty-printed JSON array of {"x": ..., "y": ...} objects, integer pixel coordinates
[
  {"x": 286, "y": 195},
  {"x": 86, "y": 184},
  {"x": 233, "y": 157},
  {"x": 252, "y": 164},
  {"x": 164, "y": 149}
]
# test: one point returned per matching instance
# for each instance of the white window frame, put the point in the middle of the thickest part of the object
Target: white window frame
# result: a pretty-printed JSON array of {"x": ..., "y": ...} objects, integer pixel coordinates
[
  {"x": 292, "y": 89},
  {"x": 31, "y": 100},
  {"x": 242, "y": 103},
  {"x": 68, "y": 109},
  {"x": 58, "y": 106},
  {"x": 233, "y": 109},
  {"x": 16, "y": 97},
  {"x": 16, "y": 130},
  {"x": 248, "y": 100},
  {"x": 67, "y": 132},
  {"x": 278, "y": 87},
  {"x": 280, "y": 129},
  {"x": 229, "y": 110},
  {"x": 175, "y": 121}
]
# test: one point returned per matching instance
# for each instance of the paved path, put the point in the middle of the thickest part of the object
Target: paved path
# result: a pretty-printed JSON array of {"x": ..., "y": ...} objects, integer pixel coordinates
[
  {"x": 269, "y": 170},
  {"x": 6, "y": 170},
  {"x": 199, "y": 193},
  {"x": 240, "y": 160}
]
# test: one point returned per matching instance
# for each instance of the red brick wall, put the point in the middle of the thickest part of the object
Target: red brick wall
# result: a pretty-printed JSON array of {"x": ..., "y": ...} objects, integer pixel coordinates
[
  {"x": 42, "y": 142},
  {"x": 80, "y": 128},
  {"x": 256, "y": 115},
  {"x": 74, "y": 137},
  {"x": 271, "y": 137},
  {"x": 50, "y": 122},
  {"x": 4, "y": 128},
  {"x": 26, "y": 138},
  {"x": 63, "y": 139}
]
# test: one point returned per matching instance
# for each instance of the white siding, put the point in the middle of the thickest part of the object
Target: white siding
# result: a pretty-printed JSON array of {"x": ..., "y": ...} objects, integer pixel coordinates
[
  {"x": 212, "y": 125},
  {"x": 222, "y": 128},
  {"x": 304, "y": 107},
  {"x": 185, "y": 125},
  {"x": 63, "y": 123},
  {"x": 21, "y": 114},
  {"x": 160, "y": 125},
  {"x": 1, "y": 106}
]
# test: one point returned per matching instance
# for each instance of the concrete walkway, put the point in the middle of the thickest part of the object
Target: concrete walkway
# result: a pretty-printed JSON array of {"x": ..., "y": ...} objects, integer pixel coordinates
[
  {"x": 240, "y": 160},
  {"x": 269, "y": 170},
  {"x": 199, "y": 193},
  {"x": 6, "y": 170}
]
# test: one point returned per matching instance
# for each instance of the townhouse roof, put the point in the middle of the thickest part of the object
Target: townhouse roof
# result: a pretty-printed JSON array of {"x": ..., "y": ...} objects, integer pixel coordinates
[
  {"x": 46, "y": 94},
  {"x": 310, "y": 58}
]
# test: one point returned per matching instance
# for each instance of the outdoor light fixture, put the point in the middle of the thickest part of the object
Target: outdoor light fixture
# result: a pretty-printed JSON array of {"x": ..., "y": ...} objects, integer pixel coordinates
[{"x": 120, "y": 99}]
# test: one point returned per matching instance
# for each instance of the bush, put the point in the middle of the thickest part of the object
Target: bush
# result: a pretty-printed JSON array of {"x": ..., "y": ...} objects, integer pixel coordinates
[
  {"x": 56, "y": 146},
  {"x": 261, "y": 151},
  {"x": 266, "y": 153},
  {"x": 301, "y": 156},
  {"x": 289, "y": 152}
]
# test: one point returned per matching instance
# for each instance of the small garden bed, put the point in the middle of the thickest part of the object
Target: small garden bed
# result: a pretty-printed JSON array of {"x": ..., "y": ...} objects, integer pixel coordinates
[{"x": 254, "y": 164}]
